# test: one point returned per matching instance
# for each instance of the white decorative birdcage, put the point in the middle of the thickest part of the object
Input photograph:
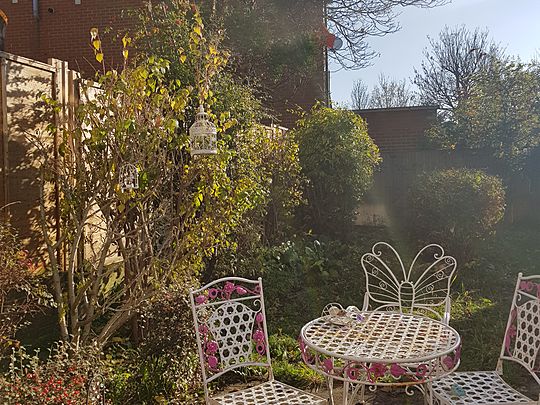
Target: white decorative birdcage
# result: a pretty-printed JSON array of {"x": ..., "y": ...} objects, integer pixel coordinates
[
  {"x": 129, "y": 177},
  {"x": 202, "y": 135}
]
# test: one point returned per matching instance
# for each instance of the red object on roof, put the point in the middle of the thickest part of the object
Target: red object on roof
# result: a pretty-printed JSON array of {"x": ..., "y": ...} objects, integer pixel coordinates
[{"x": 330, "y": 39}]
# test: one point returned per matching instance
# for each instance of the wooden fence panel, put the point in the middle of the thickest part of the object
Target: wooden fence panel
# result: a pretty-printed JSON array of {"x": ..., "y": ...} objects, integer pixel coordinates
[{"x": 23, "y": 116}]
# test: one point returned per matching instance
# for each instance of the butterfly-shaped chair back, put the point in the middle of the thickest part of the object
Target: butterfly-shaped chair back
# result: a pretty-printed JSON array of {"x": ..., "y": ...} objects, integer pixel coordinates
[
  {"x": 522, "y": 338},
  {"x": 230, "y": 326},
  {"x": 422, "y": 288}
]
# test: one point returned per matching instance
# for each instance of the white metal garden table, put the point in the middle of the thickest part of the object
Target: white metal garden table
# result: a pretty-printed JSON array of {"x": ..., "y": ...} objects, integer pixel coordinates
[{"x": 378, "y": 348}]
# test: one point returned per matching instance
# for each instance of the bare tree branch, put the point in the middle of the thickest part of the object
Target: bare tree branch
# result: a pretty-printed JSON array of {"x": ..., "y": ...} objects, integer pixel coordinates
[
  {"x": 450, "y": 65},
  {"x": 357, "y": 20}
]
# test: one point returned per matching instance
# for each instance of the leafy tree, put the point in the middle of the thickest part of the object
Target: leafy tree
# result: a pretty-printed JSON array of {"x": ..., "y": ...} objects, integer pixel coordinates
[
  {"x": 122, "y": 246},
  {"x": 277, "y": 152},
  {"x": 282, "y": 44},
  {"x": 449, "y": 68},
  {"x": 501, "y": 114},
  {"x": 279, "y": 49},
  {"x": 338, "y": 158}
]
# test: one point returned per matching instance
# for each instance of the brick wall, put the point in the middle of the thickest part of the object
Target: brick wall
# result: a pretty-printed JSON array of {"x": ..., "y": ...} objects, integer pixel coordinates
[
  {"x": 61, "y": 29},
  {"x": 399, "y": 129},
  {"x": 307, "y": 16}
]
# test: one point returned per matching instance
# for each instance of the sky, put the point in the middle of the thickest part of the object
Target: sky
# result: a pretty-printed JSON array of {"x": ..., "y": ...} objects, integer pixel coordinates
[{"x": 514, "y": 24}]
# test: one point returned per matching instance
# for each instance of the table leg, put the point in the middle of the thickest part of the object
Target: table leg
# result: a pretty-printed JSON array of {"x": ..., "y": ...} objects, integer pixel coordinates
[
  {"x": 330, "y": 383},
  {"x": 428, "y": 394},
  {"x": 355, "y": 388}
]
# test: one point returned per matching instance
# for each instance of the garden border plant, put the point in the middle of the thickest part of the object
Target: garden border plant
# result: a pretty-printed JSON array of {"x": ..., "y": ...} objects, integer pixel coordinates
[
  {"x": 338, "y": 158},
  {"x": 456, "y": 208}
]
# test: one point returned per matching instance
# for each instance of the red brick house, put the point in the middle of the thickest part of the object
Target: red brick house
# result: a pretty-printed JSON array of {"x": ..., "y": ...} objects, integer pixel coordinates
[{"x": 43, "y": 29}]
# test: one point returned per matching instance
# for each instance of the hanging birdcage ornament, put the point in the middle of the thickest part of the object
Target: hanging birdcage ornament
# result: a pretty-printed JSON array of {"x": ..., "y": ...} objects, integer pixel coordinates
[
  {"x": 202, "y": 135},
  {"x": 129, "y": 177}
]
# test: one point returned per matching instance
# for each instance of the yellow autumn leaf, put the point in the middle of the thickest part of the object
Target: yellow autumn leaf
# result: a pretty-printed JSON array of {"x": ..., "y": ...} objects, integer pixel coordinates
[
  {"x": 183, "y": 58},
  {"x": 197, "y": 30},
  {"x": 125, "y": 52},
  {"x": 99, "y": 57},
  {"x": 96, "y": 43},
  {"x": 126, "y": 41}
]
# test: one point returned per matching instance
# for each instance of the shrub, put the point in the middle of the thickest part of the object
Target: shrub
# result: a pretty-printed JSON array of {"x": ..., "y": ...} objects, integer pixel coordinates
[
  {"x": 338, "y": 157},
  {"x": 308, "y": 274},
  {"x": 287, "y": 363},
  {"x": 297, "y": 374},
  {"x": 271, "y": 218},
  {"x": 67, "y": 377},
  {"x": 21, "y": 294},
  {"x": 165, "y": 367},
  {"x": 456, "y": 207}
]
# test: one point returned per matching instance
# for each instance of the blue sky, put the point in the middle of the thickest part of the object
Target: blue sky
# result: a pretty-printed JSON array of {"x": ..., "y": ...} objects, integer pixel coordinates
[{"x": 514, "y": 24}]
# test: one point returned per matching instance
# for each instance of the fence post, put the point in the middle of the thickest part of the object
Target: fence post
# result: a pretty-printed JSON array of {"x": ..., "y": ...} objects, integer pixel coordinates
[{"x": 5, "y": 138}]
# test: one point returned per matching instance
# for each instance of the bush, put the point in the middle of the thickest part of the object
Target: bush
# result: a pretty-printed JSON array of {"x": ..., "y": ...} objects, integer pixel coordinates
[
  {"x": 456, "y": 207},
  {"x": 308, "y": 274},
  {"x": 271, "y": 218},
  {"x": 21, "y": 294},
  {"x": 165, "y": 367},
  {"x": 67, "y": 377},
  {"x": 338, "y": 158}
]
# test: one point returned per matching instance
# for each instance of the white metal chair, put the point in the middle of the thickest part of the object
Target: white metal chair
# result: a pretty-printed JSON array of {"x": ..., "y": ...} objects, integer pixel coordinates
[
  {"x": 422, "y": 288},
  {"x": 521, "y": 345},
  {"x": 230, "y": 326}
]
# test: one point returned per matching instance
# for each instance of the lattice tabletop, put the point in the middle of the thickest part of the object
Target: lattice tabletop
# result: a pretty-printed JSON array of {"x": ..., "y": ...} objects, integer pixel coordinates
[{"x": 378, "y": 347}]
